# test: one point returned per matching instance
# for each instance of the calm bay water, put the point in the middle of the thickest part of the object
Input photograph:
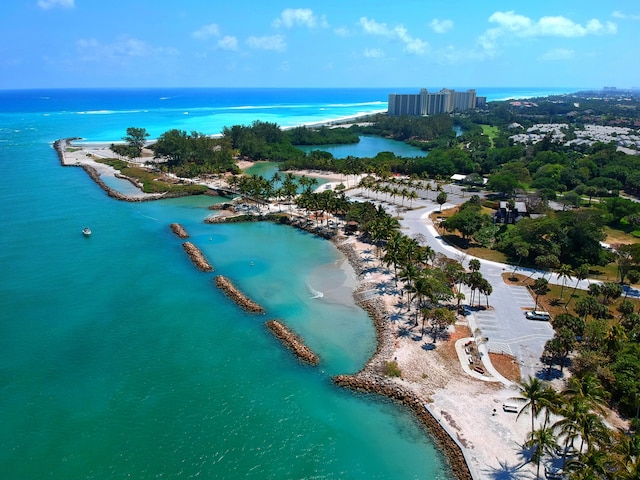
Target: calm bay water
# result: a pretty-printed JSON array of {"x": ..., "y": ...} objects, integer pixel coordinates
[{"x": 119, "y": 359}]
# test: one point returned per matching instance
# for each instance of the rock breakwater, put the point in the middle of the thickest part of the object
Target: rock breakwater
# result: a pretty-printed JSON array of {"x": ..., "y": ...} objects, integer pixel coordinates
[
  {"x": 197, "y": 257},
  {"x": 179, "y": 230},
  {"x": 237, "y": 296},
  {"x": 293, "y": 342}
]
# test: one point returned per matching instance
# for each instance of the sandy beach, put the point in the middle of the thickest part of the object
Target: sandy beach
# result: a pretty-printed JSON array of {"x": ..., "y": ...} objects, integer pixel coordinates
[{"x": 468, "y": 406}]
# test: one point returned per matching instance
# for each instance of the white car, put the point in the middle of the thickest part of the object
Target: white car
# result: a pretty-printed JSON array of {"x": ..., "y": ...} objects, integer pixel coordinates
[{"x": 538, "y": 315}]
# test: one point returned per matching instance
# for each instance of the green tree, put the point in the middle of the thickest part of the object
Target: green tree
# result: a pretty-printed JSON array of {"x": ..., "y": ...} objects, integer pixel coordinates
[
  {"x": 136, "y": 138},
  {"x": 540, "y": 287},
  {"x": 441, "y": 199},
  {"x": 541, "y": 441},
  {"x": 536, "y": 396}
]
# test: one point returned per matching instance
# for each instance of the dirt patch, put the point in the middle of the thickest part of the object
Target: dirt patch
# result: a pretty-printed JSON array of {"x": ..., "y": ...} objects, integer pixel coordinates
[
  {"x": 447, "y": 349},
  {"x": 506, "y": 365}
]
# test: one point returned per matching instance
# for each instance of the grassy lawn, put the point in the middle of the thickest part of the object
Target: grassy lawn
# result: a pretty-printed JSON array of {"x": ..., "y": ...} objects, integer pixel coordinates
[
  {"x": 153, "y": 181},
  {"x": 468, "y": 248},
  {"x": 555, "y": 300},
  {"x": 489, "y": 131},
  {"x": 615, "y": 236}
]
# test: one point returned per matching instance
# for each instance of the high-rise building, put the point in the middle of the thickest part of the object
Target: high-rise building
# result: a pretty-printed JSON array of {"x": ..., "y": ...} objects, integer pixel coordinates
[{"x": 425, "y": 103}]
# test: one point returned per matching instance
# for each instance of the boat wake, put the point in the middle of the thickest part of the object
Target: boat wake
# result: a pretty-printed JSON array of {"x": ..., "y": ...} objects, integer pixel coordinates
[{"x": 314, "y": 293}]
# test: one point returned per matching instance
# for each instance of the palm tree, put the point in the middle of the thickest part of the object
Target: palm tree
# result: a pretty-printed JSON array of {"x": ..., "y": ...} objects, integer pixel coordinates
[
  {"x": 540, "y": 287},
  {"x": 413, "y": 195},
  {"x": 580, "y": 273},
  {"x": 474, "y": 265},
  {"x": 626, "y": 455},
  {"x": 541, "y": 441},
  {"x": 594, "y": 464},
  {"x": 564, "y": 272},
  {"x": 536, "y": 395},
  {"x": 589, "y": 390}
]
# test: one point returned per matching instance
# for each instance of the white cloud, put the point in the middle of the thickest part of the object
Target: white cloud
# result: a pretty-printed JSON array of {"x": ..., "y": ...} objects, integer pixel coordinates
[
  {"x": 557, "y": 54},
  {"x": 342, "y": 31},
  {"x": 558, "y": 26},
  {"x": 624, "y": 16},
  {"x": 228, "y": 42},
  {"x": 47, "y": 4},
  {"x": 206, "y": 31},
  {"x": 399, "y": 32},
  {"x": 520, "y": 26},
  {"x": 274, "y": 42},
  {"x": 441, "y": 26},
  {"x": 373, "y": 53},
  {"x": 123, "y": 48},
  {"x": 304, "y": 17}
]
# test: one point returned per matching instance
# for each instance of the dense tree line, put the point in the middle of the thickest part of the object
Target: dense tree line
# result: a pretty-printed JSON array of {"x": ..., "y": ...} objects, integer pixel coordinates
[
  {"x": 190, "y": 155},
  {"x": 322, "y": 136}
]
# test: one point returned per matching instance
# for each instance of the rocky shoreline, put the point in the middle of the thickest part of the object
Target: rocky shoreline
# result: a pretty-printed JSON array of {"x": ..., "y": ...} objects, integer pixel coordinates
[
  {"x": 369, "y": 383},
  {"x": 60, "y": 147},
  {"x": 197, "y": 257},
  {"x": 237, "y": 296},
  {"x": 293, "y": 342},
  {"x": 371, "y": 379}
]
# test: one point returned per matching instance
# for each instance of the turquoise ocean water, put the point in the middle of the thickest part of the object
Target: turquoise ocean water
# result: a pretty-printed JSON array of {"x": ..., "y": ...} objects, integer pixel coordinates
[{"x": 118, "y": 359}]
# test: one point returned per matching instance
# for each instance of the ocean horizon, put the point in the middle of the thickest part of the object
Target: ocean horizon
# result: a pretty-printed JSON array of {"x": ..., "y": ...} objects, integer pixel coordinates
[{"x": 119, "y": 358}]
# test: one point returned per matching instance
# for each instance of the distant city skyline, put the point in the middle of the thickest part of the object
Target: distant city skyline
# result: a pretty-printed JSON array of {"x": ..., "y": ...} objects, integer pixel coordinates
[{"x": 251, "y": 43}]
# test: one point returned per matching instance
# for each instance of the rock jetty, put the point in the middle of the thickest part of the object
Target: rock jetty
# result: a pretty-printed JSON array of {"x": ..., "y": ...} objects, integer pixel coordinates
[
  {"x": 293, "y": 342},
  {"x": 179, "y": 230},
  {"x": 197, "y": 257},
  {"x": 371, "y": 380},
  {"x": 237, "y": 296},
  {"x": 376, "y": 384}
]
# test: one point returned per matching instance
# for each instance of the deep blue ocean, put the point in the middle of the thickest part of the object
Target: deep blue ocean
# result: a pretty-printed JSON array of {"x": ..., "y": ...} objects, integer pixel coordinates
[{"x": 118, "y": 359}]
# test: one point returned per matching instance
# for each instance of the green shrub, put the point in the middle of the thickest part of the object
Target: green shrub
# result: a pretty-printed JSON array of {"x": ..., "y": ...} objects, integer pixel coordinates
[{"x": 391, "y": 369}]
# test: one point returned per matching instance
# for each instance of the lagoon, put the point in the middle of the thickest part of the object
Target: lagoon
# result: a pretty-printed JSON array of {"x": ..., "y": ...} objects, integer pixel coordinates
[{"x": 368, "y": 147}]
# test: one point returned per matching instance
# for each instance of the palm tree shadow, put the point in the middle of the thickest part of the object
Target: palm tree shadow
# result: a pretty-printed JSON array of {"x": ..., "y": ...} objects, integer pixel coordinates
[
  {"x": 403, "y": 331},
  {"x": 396, "y": 316},
  {"x": 526, "y": 454},
  {"x": 506, "y": 471}
]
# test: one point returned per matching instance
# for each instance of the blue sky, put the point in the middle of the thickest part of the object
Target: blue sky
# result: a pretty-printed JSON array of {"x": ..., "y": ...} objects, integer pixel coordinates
[{"x": 347, "y": 43}]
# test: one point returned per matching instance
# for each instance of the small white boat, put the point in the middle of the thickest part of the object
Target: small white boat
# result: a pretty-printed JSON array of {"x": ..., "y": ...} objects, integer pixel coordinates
[{"x": 86, "y": 231}]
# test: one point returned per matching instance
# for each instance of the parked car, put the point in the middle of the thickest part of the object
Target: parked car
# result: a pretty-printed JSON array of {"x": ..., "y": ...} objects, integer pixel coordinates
[{"x": 538, "y": 315}]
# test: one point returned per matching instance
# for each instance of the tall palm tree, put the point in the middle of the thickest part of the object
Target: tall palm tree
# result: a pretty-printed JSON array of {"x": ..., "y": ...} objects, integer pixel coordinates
[
  {"x": 541, "y": 441},
  {"x": 589, "y": 390},
  {"x": 535, "y": 395},
  {"x": 580, "y": 273},
  {"x": 594, "y": 464},
  {"x": 564, "y": 272}
]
